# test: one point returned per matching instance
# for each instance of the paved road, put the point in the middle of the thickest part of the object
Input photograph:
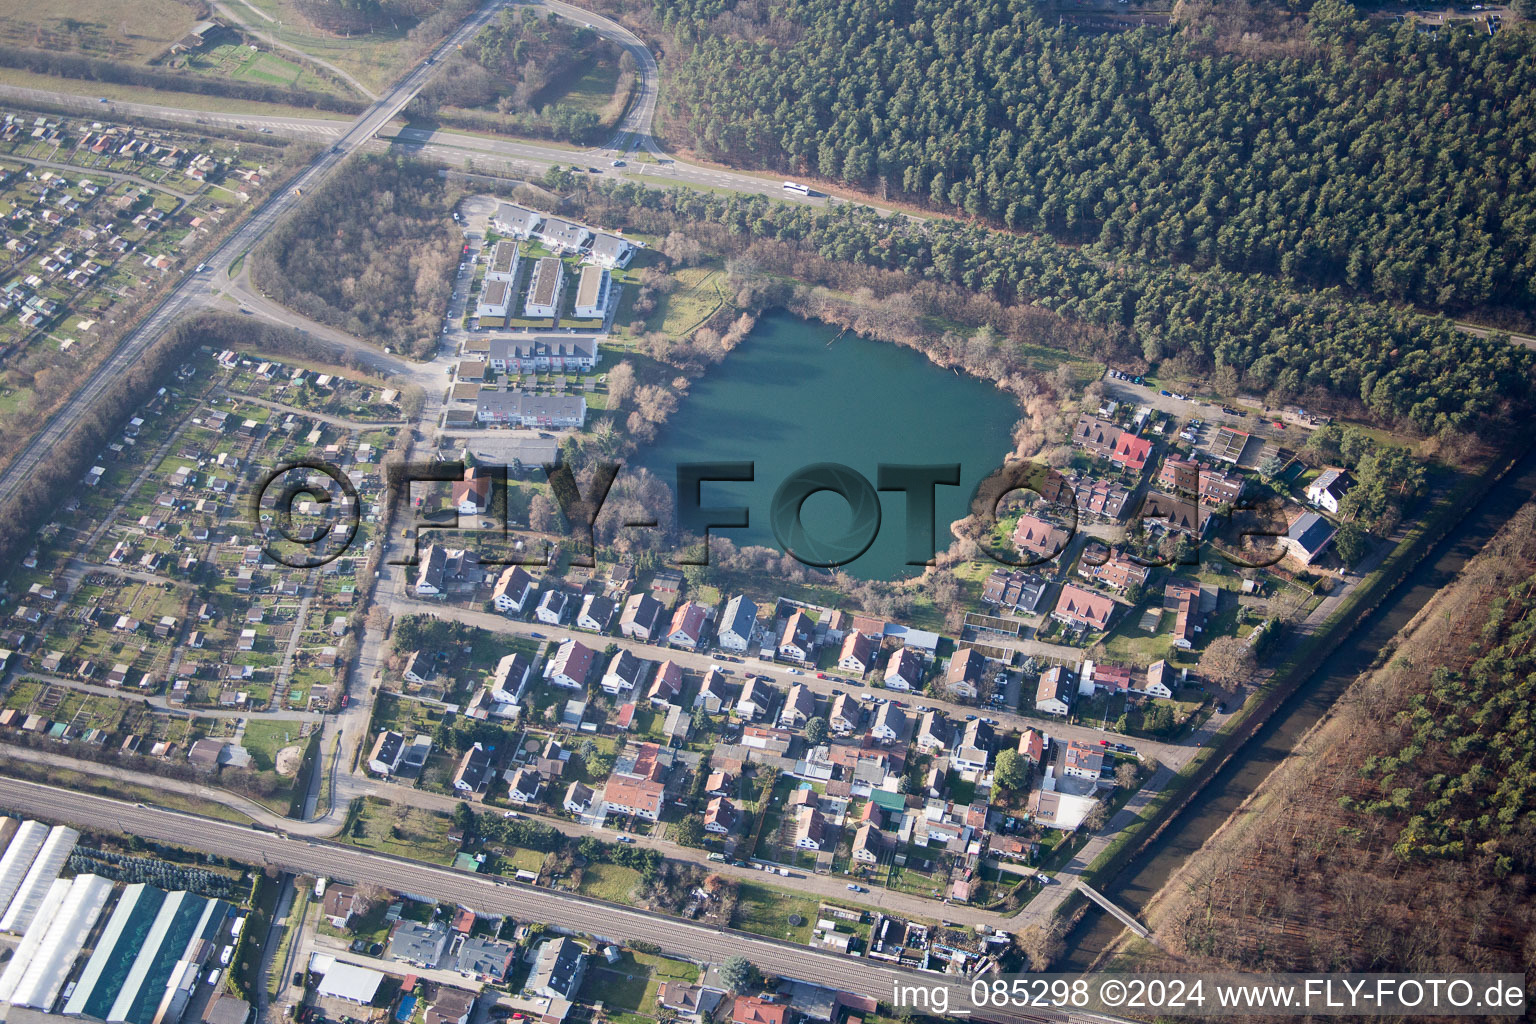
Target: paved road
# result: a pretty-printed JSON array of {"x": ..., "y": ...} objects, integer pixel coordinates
[
  {"x": 523, "y": 903},
  {"x": 1173, "y": 754}
]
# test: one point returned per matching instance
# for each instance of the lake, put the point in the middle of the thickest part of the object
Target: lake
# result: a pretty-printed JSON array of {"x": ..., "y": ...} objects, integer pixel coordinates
[{"x": 786, "y": 398}]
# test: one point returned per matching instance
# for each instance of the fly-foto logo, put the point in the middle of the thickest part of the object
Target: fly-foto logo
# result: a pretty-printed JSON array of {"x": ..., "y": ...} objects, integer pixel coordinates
[{"x": 308, "y": 513}]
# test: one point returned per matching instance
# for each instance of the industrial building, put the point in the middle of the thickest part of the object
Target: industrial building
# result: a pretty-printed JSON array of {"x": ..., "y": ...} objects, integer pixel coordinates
[
  {"x": 40, "y": 875},
  {"x": 37, "y": 971},
  {"x": 26, "y": 840},
  {"x": 150, "y": 956}
]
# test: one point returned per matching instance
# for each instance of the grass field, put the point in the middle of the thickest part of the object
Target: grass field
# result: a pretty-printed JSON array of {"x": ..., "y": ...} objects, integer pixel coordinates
[
  {"x": 767, "y": 912},
  {"x": 403, "y": 832},
  {"x": 609, "y": 882},
  {"x": 264, "y": 739},
  {"x": 135, "y": 32}
]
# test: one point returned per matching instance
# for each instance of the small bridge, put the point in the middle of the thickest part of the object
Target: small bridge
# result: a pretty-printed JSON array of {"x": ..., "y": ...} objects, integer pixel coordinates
[{"x": 1119, "y": 915}]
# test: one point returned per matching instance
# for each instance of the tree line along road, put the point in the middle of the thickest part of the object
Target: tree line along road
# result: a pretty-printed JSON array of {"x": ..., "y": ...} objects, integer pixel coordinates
[{"x": 521, "y": 902}]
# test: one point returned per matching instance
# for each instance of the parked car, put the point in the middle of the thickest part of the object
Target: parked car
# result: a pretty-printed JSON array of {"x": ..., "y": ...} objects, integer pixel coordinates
[
  {"x": 856, "y": 888},
  {"x": 626, "y": 839}
]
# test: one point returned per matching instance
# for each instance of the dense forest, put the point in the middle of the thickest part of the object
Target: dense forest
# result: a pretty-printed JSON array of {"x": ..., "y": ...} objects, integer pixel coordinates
[
  {"x": 1244, "y": 330},
  {"x": 1391, "y": 162},
  {"x": 1401, "y": 835},
  {"x": 514, "y": 66},
  {"x": 372, "y": 252}
]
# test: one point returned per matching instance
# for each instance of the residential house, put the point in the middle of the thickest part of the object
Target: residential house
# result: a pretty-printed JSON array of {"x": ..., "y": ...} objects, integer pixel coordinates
[
  {"x": 965, "y": 674},
  {"x": 868, "y": 843},
  {"x": 628, "y": 795},
  {"x": 756, "y": 698},
  {"x": 1182, "y": 597},
  {"x": 512, "y": 589},
  {"x": 1160, "y": 680},
  {"x": 517, "y": 221},
  {"x": 859, "y": 650},
  {"x": 719, "y": 816},
  {"x": 593, "y": 289},
  {"x": 571, "y": 665},
  {"x": 845, "y": 714},
  {"x": 559, "y": 969},
  {"x": 1117, "y": 571},
  {"x": 810, "y": 829},
  {"x": 562, "y": 235},
  {"x": 798, "y": 707},
  {"x": 1328, "y": 489},
  {"x": 1178, "y": 514},
  {"x": 485, "y": 960},
  {"x": 420, "y": 944},
  {"x": 625, "y": 673},
  {"x": 544, "y": 289},
  {"x": 1032, "y": 746},
  {"x": 1017, "y": 590},
  {"x": 904, "y": 670},
  {"x": 711, "y": 696},
  {"x": 474, "y": 771},
  {"x": 641, "y": 618},
  {"x": 1054, "y": 694},
  {"x": 1039, "y": 539},
  {"x": 552, "y": 607},
  {"x": 1131, "y": 452},
  {"x": 1083, "y": 608},
  {"x": 795, "y": 643},
  {"x": 511, "y": 675},
  {"x": 666, "y": 684},
  {"x": 514, "y": 407},
  {"x": 1307, "y": 537},
  {"x": 687, "y": 628},
  {"x": 1082, "y": 760},
  {"x": 1096, "y": 435},
  {"x": 737, "y": 625},
  {"x": 386, "y": 752},
  {"x": 472, "y": 495},
  {"x": 578, "y": 798},
  {"x": 753, "y": 1010},
  {"x": 451, "y": 1006},
  {"x": 525, "y": 786},
  {"x": 933, "y": 732},
  {"x": 338, "y": 905},
  {"x": 890, "y": 724},
  {"x": 611, "y": 251},
  {"x": 973, "y": 752},
  {"x": 596, "y": 613}
]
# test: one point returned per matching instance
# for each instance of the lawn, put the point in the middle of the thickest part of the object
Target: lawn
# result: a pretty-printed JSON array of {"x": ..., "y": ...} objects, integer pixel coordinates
[
  {"x": 264, "y": 739},
  {"x": 766, "y": 911},
  {"x": 609, "y": 882}
]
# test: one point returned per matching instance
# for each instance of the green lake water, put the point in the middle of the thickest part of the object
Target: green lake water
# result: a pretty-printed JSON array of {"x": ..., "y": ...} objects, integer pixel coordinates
[{"x": 785, "y": 399}]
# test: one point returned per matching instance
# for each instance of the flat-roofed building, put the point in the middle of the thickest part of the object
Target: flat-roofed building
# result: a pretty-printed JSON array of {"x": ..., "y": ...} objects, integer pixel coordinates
[
  {"x": 592, "y": 293},
  {"x": 494, "y": 297},
  {"x": 504, "y": 259},
  {"x": 544, "y": 290}
]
